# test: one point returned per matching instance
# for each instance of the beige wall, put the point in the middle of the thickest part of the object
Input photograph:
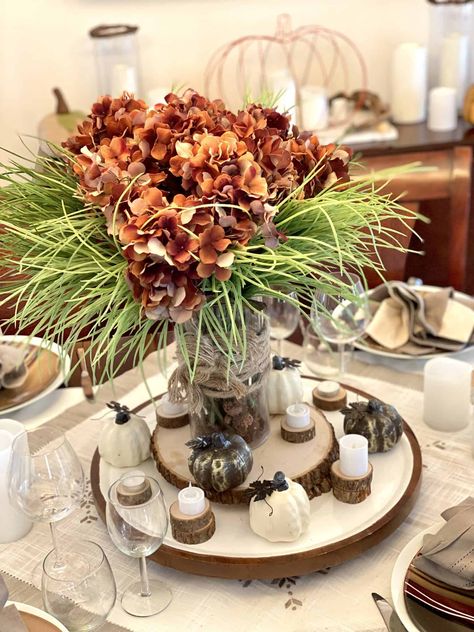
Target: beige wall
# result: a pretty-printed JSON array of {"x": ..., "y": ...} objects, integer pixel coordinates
[{"x": 44, "y": 43}]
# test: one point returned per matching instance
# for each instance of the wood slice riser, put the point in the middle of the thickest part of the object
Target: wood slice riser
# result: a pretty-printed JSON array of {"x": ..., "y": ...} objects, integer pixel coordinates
[{"x": 316, "y": 480}]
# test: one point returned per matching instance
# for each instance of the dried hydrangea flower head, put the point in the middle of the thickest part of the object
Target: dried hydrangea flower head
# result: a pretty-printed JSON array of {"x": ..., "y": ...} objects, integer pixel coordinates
[{"x": 184, "y": 184}]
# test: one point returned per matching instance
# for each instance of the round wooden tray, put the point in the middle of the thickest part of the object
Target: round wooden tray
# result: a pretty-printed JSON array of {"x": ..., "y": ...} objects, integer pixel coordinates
[
  {"x": 308, "y": 464},
  {"x": 338, "y": 531}
]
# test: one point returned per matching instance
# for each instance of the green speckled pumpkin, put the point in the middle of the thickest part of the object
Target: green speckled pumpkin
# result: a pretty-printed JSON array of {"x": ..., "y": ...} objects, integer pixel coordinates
[
  {"x": 219, "y": 461},
  {"x": 379, "y": 423}
]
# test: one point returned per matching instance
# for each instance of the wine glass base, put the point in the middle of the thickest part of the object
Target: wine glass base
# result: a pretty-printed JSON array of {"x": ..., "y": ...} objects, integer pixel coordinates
[{"x": 138, "y": 606}]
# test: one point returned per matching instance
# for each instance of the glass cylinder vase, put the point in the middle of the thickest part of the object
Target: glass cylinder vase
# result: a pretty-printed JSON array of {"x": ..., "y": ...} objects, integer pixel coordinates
[
  {"x": 222, "y": 396},
  {"x": 450, "y": 47},
  {"x": 116, "y": 54}
]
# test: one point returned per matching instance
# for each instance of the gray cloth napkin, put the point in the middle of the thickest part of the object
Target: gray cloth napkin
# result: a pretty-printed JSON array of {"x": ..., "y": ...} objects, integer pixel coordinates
[
  {"x": 10, "y": 619},
  {"x": 407, "y": 320},
  {"x": 449, "y": 554}
]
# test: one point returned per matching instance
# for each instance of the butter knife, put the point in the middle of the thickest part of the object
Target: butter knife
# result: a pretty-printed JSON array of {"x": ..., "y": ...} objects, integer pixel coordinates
[{"x": 390, "y": 617}]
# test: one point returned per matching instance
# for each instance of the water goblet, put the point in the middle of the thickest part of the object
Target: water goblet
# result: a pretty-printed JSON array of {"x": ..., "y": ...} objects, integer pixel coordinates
[
  {"x": 81, "y": 592},
  {"x": 137, "y": 523},
  {"x": 284, "y": 315},
  {"x": 340, "y": 311},
  {"x": 46, "y": 480}
]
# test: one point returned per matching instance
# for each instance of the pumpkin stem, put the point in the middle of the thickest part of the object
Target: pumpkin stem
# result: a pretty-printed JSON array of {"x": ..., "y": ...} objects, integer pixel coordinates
[{"x": 61, "y": 105}]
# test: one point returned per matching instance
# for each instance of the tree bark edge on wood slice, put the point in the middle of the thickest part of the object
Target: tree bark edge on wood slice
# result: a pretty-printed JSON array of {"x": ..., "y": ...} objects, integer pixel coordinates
[
  {"x": 351, "y": 490},
  {"x": 178, "y": 421},
  {"x": 330, "y": 403},
  {"x": 297, "y": 435},
  {"x": 316, "y": 481},
  {"x": 192, "y": 529}
]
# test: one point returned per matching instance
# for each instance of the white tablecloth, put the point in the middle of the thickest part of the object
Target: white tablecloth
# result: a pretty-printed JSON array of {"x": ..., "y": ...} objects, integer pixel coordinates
[{"x": 338, "y": 600}]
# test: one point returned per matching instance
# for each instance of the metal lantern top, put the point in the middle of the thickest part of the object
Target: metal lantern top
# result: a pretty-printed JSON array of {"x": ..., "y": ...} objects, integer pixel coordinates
[{"x": 255, "y": 65}]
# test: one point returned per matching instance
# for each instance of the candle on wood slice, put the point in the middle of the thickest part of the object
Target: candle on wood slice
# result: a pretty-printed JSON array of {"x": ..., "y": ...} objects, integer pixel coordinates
[
  {"x": 192, "y": 529},
  {"x": 354, "y": 455},
  {"x": 298, "y": 427},
  {"x": 134, "y": 490},
  {"x": 171, "y": 414},
  {"x": 329, "y": 396},
  {"x": 191, "y": 500},
  {"x": 350, "y": 489}
]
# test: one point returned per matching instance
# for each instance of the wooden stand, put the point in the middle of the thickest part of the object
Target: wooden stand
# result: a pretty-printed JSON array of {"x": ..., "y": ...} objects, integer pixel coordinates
[
  {"x": 330, "y": 403},
  {"x": 349, "y": 489},
  {"x": 192, "y": 529},
  {"x": 297, "y": 435},
  {"x": 306, "y": 463}
]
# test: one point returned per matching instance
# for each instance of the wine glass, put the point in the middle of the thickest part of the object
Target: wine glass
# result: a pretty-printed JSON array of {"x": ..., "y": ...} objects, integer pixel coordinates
[
  {"x": 46, "y": 480},
  {"x": 81, "y": 592},
  {"x": 340, "y": 311},
  {"x": 137, "y": 520},
  {"x": 284, "y": 316}
]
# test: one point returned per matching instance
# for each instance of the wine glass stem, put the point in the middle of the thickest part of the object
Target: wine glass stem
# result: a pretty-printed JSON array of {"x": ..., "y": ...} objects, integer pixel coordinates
[
  {"x": 59, "y": 561},
  {"x": 144, "y": 578},
  {"x": 342, "y": 359},
  {"x": 280, "y": 347}
]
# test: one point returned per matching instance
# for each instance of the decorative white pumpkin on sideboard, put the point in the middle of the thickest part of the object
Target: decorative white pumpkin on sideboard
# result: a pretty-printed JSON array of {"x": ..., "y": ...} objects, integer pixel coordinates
[
  {"x": 124, "y": 440},
  {"x": 284, "y": 385},
  {"x": 279, "y": 509}
]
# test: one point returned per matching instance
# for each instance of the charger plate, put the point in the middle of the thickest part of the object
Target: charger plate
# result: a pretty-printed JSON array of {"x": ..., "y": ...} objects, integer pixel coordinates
[{"x": 337, "y": 531}]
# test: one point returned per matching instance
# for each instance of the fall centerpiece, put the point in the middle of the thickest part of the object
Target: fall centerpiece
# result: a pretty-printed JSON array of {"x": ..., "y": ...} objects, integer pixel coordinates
[{"x": 181, "y": 217}]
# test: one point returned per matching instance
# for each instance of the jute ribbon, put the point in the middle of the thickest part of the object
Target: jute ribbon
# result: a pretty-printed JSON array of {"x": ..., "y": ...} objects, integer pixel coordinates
[{"x": 212, "y": 377}]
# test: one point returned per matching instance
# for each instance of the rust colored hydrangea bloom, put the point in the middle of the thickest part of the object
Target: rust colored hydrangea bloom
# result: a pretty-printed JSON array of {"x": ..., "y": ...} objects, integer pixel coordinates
[{"x": 183, "y": 185}]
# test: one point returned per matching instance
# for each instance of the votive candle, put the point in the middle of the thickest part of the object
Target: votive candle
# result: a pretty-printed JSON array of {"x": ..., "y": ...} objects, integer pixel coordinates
[
  {"x": 298, "y": 416},
  {"x": 353, "y": 455},
  {"x": 191, "y": 501}
]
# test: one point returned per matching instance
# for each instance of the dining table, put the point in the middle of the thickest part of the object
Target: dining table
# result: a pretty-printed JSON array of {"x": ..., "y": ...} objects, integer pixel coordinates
[{"x": 336, "y": 599}]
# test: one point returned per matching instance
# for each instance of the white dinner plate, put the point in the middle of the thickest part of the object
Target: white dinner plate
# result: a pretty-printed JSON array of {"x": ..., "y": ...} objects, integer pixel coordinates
[
  {"x": 399, "y": 573},
  {"x": 58, "y": 380},
  {"x": 41, "y": 614},
  {"x": 459, "y": 296}
]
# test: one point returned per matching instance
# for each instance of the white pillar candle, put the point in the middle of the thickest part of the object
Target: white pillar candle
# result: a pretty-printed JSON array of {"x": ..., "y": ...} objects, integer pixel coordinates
[
  {"x": 123, "y": 78},
  {"x": 298, "y": 416},
  {"x": 328, "y": 389},
  {"x": 14, "y": 524},
  {"x": 314, "y": 108},
  {"x": 354, "y": 455},
  {"x": 408, "y": 83},
  {"x": 281, "y": 84},
  {"x": 447, "y": 394},
  {"x": 156, "y": 95},
  {"x": 454, "y": 62},
  {"x": 340, "y": 110},
  {"x": 191, "y": 501},
  {"x": 442, "y": 109}
]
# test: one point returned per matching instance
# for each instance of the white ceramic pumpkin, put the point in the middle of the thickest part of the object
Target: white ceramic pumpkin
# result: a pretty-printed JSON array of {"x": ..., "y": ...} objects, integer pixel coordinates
[
  {"x": 282, "y": 516},
  {"x": 284, "y": 386},
  {"x": 125, "y": 440}
]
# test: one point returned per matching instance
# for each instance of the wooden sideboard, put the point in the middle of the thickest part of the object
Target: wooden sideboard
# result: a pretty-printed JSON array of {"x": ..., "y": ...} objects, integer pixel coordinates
[{"x": 443, "y": 193}]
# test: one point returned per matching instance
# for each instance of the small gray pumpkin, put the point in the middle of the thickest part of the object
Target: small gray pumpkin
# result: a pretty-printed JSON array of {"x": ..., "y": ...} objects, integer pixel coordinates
[
  {"x": 379, "y": 423},
  {"x": 219, "y": 461}
]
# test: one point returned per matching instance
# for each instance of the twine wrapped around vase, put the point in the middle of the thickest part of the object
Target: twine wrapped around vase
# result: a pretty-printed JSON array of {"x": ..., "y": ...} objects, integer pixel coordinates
[{"x": 213, "y": 377}]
